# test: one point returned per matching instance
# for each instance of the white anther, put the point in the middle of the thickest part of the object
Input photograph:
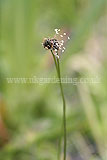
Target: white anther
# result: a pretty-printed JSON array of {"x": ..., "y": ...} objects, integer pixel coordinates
[
  {"x": 64, "y": 34},
  {"x": 62, "y": 41},
  {"x": 68, "y": 37},
  {"x": 57, "y": 56},
  {"x": 61, "y": 35},
  {"x": 56, "y": 30}
]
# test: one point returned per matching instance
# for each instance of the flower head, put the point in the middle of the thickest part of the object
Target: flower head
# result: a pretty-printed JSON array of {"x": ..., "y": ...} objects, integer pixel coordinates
[{"x": 54, "y": 44}]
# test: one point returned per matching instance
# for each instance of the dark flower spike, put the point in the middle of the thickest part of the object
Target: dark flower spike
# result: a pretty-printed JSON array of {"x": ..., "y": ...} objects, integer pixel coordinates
[{"x": 54, "y": 44}]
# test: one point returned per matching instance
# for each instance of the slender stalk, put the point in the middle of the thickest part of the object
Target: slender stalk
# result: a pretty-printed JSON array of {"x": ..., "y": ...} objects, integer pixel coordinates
[
  {"x": 63, "y": 98},
  {"x": 59, "y": 147}
]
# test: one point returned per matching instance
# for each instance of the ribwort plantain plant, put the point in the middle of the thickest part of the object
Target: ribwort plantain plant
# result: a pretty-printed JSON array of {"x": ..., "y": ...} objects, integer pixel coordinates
[{"x": 56, "y": 46}]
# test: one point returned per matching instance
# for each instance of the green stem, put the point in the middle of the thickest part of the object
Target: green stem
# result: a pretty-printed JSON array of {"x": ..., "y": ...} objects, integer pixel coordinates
[
  {"x": 63, "y": 98},
  {"x": 59, "y": 147}
]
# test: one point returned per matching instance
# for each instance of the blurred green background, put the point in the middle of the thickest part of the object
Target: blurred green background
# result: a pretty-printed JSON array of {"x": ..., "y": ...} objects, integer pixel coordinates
[{"x": 31, "y": 113}]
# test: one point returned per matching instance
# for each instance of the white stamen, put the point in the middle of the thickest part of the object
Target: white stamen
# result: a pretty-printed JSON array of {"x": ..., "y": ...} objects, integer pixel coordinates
[
  {"x": 64, "y": 34},
  {"x": 55, "y": 50},
  {"x": 68, "y": 37},
  {"x": 56, "y": 30},
  {"x": 61, "y": 35},
  {"x": 62, "y": 50},
  {"x": 57, "y": 56},
  {"x": 62, "y": 41}
]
